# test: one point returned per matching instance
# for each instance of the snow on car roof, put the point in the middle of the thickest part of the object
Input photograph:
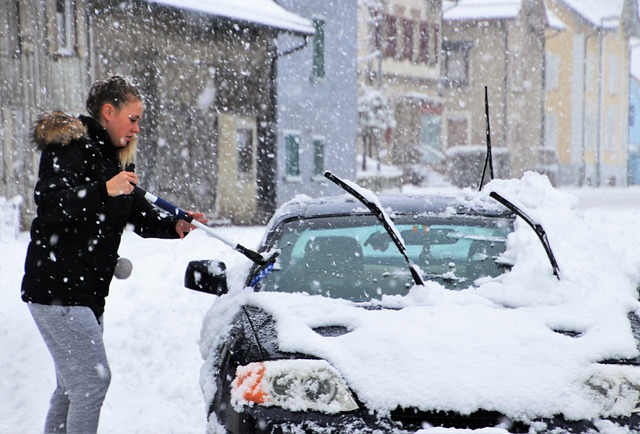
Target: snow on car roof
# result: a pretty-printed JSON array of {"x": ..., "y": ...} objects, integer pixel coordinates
[
  {"x": 466, "y": 203},
  {"x": 525, "y": 343}
]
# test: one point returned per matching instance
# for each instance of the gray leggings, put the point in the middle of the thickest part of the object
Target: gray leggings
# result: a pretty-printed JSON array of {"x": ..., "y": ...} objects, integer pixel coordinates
[{"x": 74, "y": 339}]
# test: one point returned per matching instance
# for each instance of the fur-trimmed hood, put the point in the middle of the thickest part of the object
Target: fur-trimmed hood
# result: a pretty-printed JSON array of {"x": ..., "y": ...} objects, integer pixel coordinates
[{"x": 57, "y": 127}]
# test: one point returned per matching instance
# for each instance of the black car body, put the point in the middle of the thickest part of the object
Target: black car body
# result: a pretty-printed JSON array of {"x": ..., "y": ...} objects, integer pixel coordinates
[{"x": 260, "y": 376}]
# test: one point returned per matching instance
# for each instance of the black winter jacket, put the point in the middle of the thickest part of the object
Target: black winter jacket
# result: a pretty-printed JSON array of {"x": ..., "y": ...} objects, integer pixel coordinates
[{"x": 77, "y": 230}]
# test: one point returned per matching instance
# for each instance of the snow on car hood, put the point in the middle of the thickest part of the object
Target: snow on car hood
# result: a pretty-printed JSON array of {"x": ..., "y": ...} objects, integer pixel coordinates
[{"x": 525, "y": 344}]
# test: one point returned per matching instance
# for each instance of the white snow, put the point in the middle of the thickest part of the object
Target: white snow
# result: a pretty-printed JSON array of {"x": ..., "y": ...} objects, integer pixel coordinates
[
  {"x": 554, "y": 21},
  {"x": 9, "y": 217},
  {"x": 153, "y": 324},
  {"x": 481, "y": 9},
  {"x": 605, "y": 14},
  {"x": 152, "y": 329},
  {"x": 265, "y": 12}
]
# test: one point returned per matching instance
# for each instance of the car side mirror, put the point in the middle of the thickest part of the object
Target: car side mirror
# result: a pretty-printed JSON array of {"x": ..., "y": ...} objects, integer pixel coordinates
[{"x": 208, "y": 276}]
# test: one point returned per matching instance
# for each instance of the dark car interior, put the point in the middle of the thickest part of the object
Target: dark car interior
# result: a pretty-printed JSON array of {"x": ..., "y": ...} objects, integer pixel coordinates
[{"x": 360, "y": 263}]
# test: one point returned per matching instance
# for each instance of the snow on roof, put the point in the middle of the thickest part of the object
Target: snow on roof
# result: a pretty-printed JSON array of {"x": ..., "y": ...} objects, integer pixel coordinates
[
  {"x": 480, "y": 9},
  {"x": 605, "y": 14},
  {"x": 554, "y": 21},
  {"x": 263, "y": 12}
]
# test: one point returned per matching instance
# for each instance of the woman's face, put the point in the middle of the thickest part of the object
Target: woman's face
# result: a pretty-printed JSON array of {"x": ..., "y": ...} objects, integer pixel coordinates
[{"x": 122, "y": 123}]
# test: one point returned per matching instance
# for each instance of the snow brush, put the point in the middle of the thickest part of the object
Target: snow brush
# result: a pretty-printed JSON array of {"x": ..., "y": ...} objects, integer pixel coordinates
[{"x": 256, "y": 257}]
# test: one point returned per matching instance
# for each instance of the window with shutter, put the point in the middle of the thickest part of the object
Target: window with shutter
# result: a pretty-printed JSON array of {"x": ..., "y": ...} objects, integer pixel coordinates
[
  {"x": 390, "y": 36},
  {"x": 407, "y": 40},
  {"x": 318, "y": 49},
  {"x": 436, "y": 46},
  {"x": 376, "y": 26},
  {"x": 318, "y": 156},
  {"x": 292, "y": 154},
  {"x": 423, "y": 50}
]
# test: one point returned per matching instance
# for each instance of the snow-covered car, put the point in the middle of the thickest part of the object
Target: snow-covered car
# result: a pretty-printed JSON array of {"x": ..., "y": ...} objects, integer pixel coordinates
[{"x": 341, "y": 336}]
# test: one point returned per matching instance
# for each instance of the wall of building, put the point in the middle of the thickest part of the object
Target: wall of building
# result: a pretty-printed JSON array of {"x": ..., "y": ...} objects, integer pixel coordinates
[
  {"x": 320, "y": 109},
  {"x": 591, "y": 100},
  {"x": 564, "y": 98}
]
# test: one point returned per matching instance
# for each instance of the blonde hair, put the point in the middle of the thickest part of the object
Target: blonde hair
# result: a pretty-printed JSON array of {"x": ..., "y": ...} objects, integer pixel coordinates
[{"x": 127, "y": 155}]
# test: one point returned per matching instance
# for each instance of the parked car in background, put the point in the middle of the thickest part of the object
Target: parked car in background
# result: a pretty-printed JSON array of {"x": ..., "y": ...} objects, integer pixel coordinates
[{"x": 342, "y": 337}]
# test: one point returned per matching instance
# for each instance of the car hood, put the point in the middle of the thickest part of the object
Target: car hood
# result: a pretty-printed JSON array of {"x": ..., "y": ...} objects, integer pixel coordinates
[{"x": 460, "y": 355}]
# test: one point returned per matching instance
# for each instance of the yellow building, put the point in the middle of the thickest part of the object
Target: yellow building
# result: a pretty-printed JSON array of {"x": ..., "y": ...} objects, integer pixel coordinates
[{"x": 587, "y": 89}]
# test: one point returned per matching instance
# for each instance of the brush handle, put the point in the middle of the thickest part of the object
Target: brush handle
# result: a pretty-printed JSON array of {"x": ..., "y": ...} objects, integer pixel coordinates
[{"x": 161, "y": 203}]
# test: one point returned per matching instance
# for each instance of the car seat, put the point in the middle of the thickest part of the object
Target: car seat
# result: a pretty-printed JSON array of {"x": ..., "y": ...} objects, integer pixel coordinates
[
  {"x": 331, "y": 265},
  {"x": 482, "y": 258}
]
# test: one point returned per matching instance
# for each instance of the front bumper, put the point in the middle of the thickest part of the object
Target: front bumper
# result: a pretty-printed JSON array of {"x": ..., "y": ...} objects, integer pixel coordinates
[{"x": 262, "y": 420}]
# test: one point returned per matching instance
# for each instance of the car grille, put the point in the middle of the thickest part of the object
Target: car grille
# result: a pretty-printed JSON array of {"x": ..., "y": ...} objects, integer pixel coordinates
[{"x": 479, "y": 419}]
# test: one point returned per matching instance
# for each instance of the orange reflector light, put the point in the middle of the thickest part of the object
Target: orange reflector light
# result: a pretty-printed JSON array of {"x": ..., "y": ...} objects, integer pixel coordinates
[{"x": 248, "y": 382}]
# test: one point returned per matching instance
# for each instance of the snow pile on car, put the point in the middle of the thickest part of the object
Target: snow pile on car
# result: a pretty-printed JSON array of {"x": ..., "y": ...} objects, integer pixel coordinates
[{"x": 525, "y": 344}]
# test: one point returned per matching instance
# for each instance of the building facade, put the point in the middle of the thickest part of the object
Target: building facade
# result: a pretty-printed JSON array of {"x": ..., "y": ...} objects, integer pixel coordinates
[
  {"x": 316, "y": 100},
  {"x": 399, "y": 55}
]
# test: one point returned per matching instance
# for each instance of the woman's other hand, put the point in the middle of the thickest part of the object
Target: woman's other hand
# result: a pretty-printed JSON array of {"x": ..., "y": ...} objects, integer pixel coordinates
[{"x": 183, "y": 227}]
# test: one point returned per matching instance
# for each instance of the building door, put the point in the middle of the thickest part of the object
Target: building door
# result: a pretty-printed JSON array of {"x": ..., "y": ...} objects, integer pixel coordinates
[{"x": 237, "y": 174}]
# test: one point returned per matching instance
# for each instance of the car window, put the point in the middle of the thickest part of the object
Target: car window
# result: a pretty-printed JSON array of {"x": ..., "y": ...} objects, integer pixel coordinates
[{"x": 352, "y": 257}]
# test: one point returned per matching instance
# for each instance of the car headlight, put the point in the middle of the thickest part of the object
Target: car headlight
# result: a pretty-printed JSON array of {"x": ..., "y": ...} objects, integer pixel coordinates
[
  {"x": 616, "y": 389},
  {"x": 295, "y": 385}
]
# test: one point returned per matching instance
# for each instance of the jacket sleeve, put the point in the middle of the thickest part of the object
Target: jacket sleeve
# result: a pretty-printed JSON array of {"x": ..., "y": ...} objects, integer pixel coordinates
[
  {"x": 63, "y": 192},
  {"x": 149, "y": 222}
]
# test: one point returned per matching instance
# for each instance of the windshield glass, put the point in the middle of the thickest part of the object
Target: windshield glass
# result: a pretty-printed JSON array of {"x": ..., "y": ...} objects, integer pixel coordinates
[{"x": 352, "y": 257}]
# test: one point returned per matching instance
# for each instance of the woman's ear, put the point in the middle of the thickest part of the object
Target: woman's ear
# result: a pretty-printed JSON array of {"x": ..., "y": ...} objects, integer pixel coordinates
[{"x": 107, "y": 112}]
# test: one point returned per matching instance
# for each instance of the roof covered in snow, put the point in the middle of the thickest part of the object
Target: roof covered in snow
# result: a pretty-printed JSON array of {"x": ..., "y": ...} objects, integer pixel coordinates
[
  {"x": 554, "y": 20},
  {"x": 261, "y": 12},
  {"x": 600, "y": 13},
  {"x": 480, "y": 9},
  {"x": 606, "y": 14}
]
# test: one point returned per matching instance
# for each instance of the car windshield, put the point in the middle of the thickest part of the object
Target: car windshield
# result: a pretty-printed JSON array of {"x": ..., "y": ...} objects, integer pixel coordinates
[{"x": 352, "y": 257}]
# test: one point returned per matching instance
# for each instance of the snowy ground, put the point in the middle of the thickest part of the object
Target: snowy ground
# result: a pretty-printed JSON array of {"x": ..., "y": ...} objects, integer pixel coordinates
[{"x": 153, "y": 325}]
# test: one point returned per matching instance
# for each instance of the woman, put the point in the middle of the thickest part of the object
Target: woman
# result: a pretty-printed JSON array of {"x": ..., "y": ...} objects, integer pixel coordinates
[{"x": 84, "y": 200}]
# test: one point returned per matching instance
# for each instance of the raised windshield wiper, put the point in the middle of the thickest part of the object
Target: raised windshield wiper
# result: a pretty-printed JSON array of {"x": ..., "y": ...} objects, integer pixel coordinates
[
  {"x": 537, "y": 228},
  {"x": 384, "y": 220}
]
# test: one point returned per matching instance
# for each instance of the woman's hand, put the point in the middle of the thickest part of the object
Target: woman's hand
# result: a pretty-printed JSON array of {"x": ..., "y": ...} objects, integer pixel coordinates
[
  {"x": 122, "y": 183},
  {"x": 183, "y": 227}
]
